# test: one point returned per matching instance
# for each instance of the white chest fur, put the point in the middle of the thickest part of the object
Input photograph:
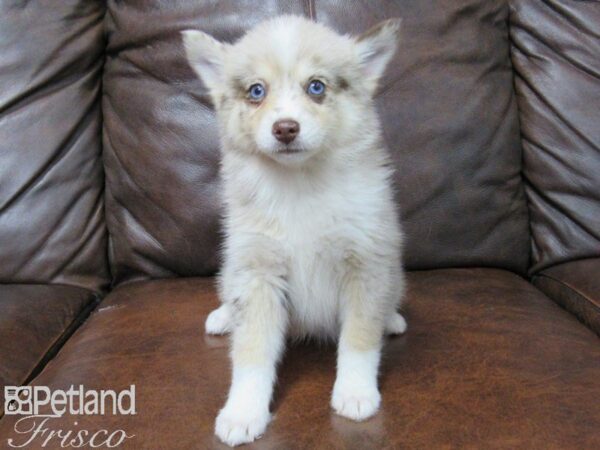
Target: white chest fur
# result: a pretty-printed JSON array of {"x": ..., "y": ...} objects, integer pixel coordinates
[{"x": 311, "y": 224}]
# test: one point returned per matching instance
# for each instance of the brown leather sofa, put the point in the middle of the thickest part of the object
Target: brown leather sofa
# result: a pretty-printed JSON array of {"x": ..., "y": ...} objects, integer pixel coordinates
[{"x": 109, "y": 205}]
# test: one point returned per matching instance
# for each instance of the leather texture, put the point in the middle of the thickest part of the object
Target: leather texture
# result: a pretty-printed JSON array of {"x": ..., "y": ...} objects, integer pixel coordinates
[
  {"x": 447, "y": 105},
  {"x": 487, "y": 362},
  {"x": 34, "y": 319},
  {"x": 52, "y": 227},
  {"x": 576, "y": 286},
  {"x": 161, "y": 147},
  {"x": 555, "y": 53}
]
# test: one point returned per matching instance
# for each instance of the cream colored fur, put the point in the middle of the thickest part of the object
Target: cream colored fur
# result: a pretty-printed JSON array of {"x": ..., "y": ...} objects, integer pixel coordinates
[{"x": 312, "y": 243}]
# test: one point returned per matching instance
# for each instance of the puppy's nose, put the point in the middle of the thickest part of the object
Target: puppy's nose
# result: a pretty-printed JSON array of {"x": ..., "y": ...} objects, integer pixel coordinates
[{"x": 286, "y": 130}]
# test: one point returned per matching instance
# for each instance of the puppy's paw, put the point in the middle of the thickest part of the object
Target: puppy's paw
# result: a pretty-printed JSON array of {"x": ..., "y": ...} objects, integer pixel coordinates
[
  {"x": 355, "y": 402},
  {"x": 235, "y": 426},
  {"x": 395, "y": 324},
  {"x": 219, "y": 321}
]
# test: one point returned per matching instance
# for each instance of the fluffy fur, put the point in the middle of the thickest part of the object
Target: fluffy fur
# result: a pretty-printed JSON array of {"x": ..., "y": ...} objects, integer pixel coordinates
[{"x": 312, "y": 242}]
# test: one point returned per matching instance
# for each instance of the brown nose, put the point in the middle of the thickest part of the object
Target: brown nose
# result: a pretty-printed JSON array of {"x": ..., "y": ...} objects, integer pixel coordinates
[{"x": 286, "y": 130}]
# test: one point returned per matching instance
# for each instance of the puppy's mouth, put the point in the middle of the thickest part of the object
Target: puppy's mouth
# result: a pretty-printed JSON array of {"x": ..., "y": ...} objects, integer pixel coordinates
[{"x": 289, "y": 150}]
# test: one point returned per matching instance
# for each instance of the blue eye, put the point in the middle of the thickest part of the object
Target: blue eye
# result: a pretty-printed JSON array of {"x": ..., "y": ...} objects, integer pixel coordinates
[
  {"x": 257, "y": 92},
  {"x": 316, "y": 88}
]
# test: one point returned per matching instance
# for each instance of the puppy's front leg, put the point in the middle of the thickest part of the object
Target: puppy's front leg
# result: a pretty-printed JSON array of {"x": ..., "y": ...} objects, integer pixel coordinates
[
  {"x": 257, "y": 342},
  {"x": 355, "y": 392}
]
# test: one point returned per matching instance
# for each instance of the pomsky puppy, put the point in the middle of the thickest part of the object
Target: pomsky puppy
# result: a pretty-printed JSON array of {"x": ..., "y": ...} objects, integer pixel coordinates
[{"x": 313, "y": 243}]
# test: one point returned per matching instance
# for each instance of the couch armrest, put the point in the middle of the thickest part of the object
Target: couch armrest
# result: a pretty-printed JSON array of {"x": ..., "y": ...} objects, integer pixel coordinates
[{"x": 574, "y": 285}]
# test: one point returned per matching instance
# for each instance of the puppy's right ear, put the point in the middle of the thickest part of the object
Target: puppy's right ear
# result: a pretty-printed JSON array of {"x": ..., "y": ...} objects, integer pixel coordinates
[{"x": 205, "y": 54}]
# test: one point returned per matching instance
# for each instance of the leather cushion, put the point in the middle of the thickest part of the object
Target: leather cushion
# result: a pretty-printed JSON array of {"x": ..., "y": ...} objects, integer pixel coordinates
[
  {"x": 448, "y": 110},
  {"x": 52, "y": 226},
  {"x": 555, "y": 54},
  {"x": 34, "y": 320},
  {"x": 576, "y": 286},
  {"x": 487, "y": 362}
]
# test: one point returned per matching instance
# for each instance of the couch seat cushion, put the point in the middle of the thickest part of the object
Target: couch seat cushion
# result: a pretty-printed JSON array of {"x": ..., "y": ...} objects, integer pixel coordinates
[
  {"x": 575, "y": 285},
  {"x": 488, "y": 362},
  {"x": 33, "y": 321}
]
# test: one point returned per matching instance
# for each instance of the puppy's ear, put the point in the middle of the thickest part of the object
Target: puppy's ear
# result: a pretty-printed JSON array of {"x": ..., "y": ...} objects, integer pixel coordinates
[
  {"x": 205, "y": 54},
  {"x": 376, "y": 48}
]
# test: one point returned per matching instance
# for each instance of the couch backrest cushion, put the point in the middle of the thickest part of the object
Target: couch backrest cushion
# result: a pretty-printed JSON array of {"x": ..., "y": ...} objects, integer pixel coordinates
[
  {"x": 556, "y": 55},
  {"x": 447, "y": 104},
  {"x": 51, "y": 178}
]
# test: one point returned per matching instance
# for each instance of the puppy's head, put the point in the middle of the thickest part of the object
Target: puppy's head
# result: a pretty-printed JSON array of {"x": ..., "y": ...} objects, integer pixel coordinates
[{"x": 291, "y": 88}]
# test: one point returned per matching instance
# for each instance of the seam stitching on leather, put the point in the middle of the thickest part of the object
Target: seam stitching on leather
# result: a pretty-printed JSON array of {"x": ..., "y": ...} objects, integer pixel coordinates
[
  {"x": 53, "y": 349},
  {"x": 571, "y": 288},
  {"x": 522, "y": 173}
]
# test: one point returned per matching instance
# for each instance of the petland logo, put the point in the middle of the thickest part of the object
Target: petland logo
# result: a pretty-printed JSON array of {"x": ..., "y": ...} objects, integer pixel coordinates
[{"x": 35, "y": 427}]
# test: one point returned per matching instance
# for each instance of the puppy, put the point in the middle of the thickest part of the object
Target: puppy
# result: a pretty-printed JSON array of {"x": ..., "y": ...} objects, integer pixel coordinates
[{"x": 312, "y": 243}]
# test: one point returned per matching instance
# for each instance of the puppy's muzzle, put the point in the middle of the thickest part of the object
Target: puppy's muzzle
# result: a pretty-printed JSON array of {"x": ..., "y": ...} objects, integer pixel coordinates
[{"x": 285, "y": 130}]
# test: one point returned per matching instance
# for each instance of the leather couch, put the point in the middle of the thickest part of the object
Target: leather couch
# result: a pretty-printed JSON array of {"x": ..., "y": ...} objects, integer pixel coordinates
[{"x": 109, "y": 222}]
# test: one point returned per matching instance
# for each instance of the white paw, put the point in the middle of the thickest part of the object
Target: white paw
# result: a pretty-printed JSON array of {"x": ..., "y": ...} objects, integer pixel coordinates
[
  {"x": 235, "y": 427},
  {"x": 395, "y": 324},
  {"x": 219, "y": 321},
  {"x": 356, "y": 403}
]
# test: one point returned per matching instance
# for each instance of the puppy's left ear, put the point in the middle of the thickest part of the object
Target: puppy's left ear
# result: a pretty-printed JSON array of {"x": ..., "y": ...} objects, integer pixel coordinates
[
  {"x": 206, "y": 56},
  {"x": 376, "y": 48}
]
